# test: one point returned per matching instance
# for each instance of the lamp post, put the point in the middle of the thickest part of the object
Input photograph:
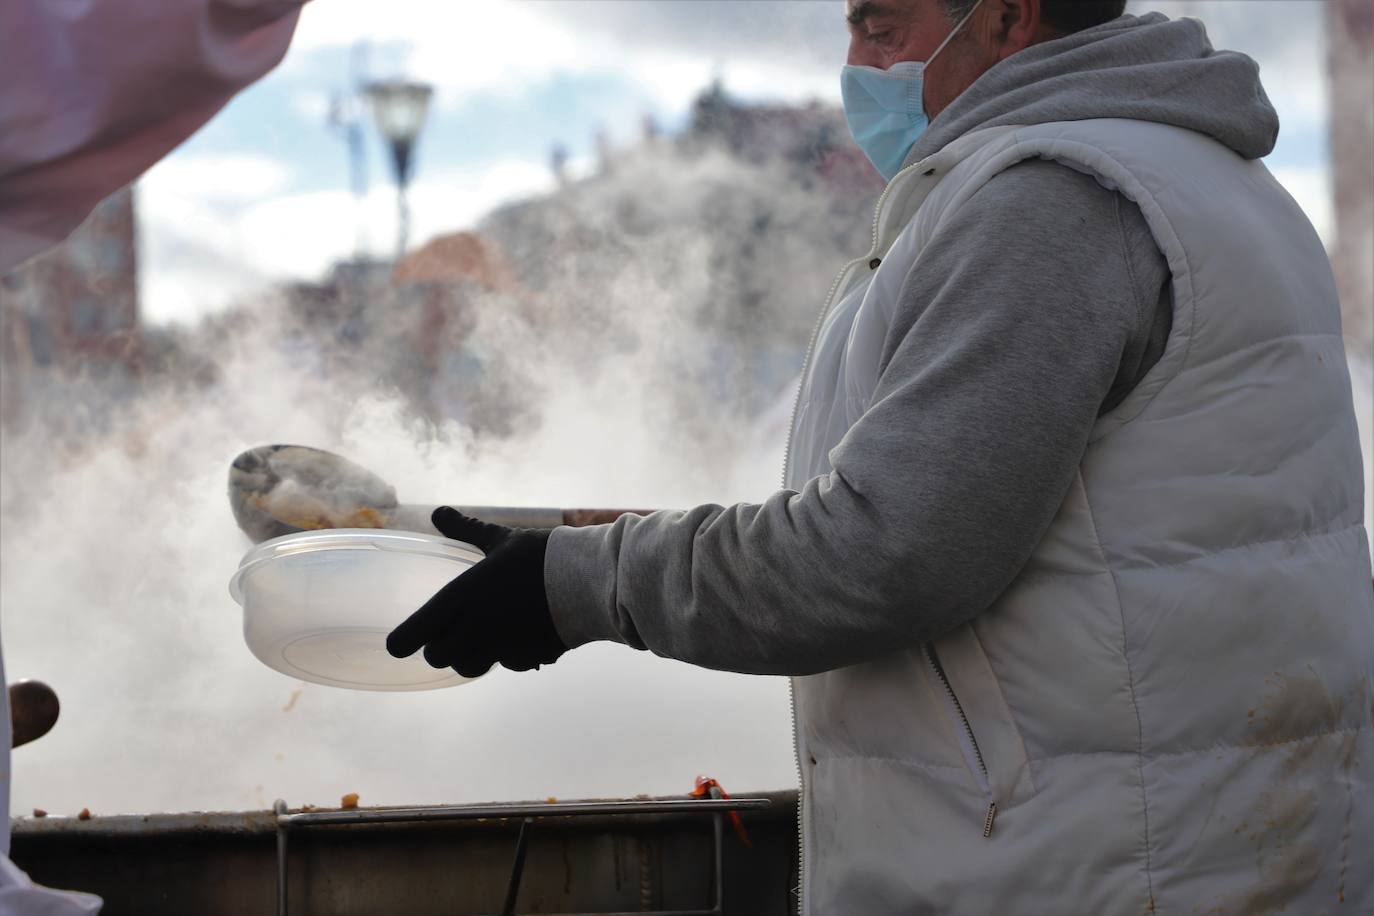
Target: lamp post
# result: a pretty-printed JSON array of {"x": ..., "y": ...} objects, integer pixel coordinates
[
  {"x": 346, "y": 115},
  {"x": 400, "y": 107}
]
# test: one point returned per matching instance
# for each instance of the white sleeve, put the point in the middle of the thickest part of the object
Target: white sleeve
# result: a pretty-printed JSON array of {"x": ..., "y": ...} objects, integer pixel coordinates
[
  {"x": 21, "y": 897},
  {"x": 92, "y": 94}
]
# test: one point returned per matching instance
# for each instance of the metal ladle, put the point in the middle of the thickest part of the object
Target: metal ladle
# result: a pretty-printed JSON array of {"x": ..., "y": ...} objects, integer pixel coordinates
[{"x": 260, "y": 477}]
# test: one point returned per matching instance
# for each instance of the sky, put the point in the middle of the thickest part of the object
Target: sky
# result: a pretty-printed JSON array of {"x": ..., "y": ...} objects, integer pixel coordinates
[{"x": 262, "y": 193}]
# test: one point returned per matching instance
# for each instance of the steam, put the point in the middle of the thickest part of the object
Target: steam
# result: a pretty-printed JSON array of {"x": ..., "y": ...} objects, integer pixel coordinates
[
  {"x": 619, "y": 376},
  {"x": 643, "y": 359}
]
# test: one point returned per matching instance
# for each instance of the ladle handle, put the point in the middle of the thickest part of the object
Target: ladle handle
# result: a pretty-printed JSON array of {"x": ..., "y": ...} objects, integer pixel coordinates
[
  {"x": 580, "y": 518},
  {"x": 416, "y": 517}
]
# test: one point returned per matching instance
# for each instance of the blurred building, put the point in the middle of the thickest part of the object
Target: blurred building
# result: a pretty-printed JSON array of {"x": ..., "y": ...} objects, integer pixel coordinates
[
  {"x": 437, "y": 292},
  {"x": 408, "y": 323},
  {"x": 813, "y": 137},
  {"x": 434, "y": 288},
  {"x": 457, "y": 259},
  {"x": 337, "y": 308},
  {"x": 72, "y": 312},
  {"x": 416, "y": 299},
  {"x": 1350, "y": 49}
]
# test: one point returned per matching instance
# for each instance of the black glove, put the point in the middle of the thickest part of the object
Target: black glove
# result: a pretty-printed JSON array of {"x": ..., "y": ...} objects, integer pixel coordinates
[{"x": 495, "y": 612}]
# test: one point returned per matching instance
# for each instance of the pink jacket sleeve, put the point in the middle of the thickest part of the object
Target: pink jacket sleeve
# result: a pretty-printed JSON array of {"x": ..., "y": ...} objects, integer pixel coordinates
[{"x": 93, "y": 92}]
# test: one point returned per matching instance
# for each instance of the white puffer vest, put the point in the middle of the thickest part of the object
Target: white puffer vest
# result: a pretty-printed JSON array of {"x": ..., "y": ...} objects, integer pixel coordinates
[{"x": 1169, "y": 710}]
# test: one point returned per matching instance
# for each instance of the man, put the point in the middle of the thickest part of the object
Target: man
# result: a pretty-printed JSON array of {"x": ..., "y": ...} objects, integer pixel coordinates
[
  {"x": 91, "y": 95},
  {"x": 1069, "y": 571}
]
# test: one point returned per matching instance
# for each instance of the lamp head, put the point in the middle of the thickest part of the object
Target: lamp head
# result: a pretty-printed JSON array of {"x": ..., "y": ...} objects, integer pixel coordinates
[{"x": 399, "y": 107}]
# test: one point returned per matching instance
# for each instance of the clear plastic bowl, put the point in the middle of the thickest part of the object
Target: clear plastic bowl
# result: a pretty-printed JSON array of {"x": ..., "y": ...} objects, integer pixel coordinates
[{"x": 318, "y": 605}]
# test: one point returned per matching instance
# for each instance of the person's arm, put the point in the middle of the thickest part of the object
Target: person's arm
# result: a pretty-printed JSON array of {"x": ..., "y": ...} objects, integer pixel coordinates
[
  {"x": 1011, "y": 330},
  {"x": 93, "y": 93}
]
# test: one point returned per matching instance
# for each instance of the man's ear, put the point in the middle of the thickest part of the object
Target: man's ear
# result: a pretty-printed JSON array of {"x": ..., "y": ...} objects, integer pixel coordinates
[{"x": 1016, "y": 25}]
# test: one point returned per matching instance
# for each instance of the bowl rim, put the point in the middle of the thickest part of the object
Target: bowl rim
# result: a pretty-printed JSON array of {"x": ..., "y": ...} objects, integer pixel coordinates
[{"x": 415, "y": 543}]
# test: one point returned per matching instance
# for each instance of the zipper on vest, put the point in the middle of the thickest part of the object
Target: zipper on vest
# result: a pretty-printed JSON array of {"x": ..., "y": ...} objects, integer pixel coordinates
[
  {"x": 786, "y": 469},
  {"x": 801, "y": 808},
  {"x": 973, "y": 757},
  {"x": 872, "y": 260}
]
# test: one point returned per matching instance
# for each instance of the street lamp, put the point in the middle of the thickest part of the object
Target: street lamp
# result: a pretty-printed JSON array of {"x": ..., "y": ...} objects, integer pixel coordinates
[{"x": 400, "y": 108}]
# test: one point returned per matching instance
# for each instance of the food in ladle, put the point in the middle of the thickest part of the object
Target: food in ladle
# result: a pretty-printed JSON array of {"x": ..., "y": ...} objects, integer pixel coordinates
[
  {"x": 309, "y": 489},
  {"x": 296, "y": 505}
]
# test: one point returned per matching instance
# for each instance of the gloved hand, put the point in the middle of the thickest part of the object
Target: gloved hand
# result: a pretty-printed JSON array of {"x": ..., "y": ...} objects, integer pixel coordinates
[{"x": 496, "y": 612}]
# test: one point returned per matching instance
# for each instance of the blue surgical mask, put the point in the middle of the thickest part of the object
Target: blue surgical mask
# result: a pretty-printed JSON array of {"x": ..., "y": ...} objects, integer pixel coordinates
[{"x": 885, "y": 108}]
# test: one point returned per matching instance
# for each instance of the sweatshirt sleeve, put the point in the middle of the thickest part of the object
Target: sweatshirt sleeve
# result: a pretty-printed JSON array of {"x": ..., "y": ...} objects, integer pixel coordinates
[
  {"x": 93, "y": 93},
  {"x": 1011, "y": 329}
]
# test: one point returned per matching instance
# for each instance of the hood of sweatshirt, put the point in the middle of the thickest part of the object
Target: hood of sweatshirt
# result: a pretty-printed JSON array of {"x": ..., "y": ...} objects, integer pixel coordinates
[{"x": 1147, "y": 68}]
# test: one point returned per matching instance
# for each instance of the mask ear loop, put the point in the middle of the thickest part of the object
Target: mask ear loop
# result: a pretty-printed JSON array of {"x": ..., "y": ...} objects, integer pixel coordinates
[{"x": 954, "y": 31}]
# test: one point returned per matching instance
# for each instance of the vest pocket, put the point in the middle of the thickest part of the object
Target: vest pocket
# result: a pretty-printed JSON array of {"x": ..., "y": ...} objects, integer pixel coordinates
[
  {"x": 968, "y": 741},
  {"x": 988, "y": 739}
]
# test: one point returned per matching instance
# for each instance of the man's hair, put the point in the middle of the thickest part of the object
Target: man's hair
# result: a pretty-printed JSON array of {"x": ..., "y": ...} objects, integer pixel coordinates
[{"x": 1066, "y": 16}]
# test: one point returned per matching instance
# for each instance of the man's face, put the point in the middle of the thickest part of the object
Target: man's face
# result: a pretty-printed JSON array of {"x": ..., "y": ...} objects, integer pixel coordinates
[{"x": 885, "y": 32}]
